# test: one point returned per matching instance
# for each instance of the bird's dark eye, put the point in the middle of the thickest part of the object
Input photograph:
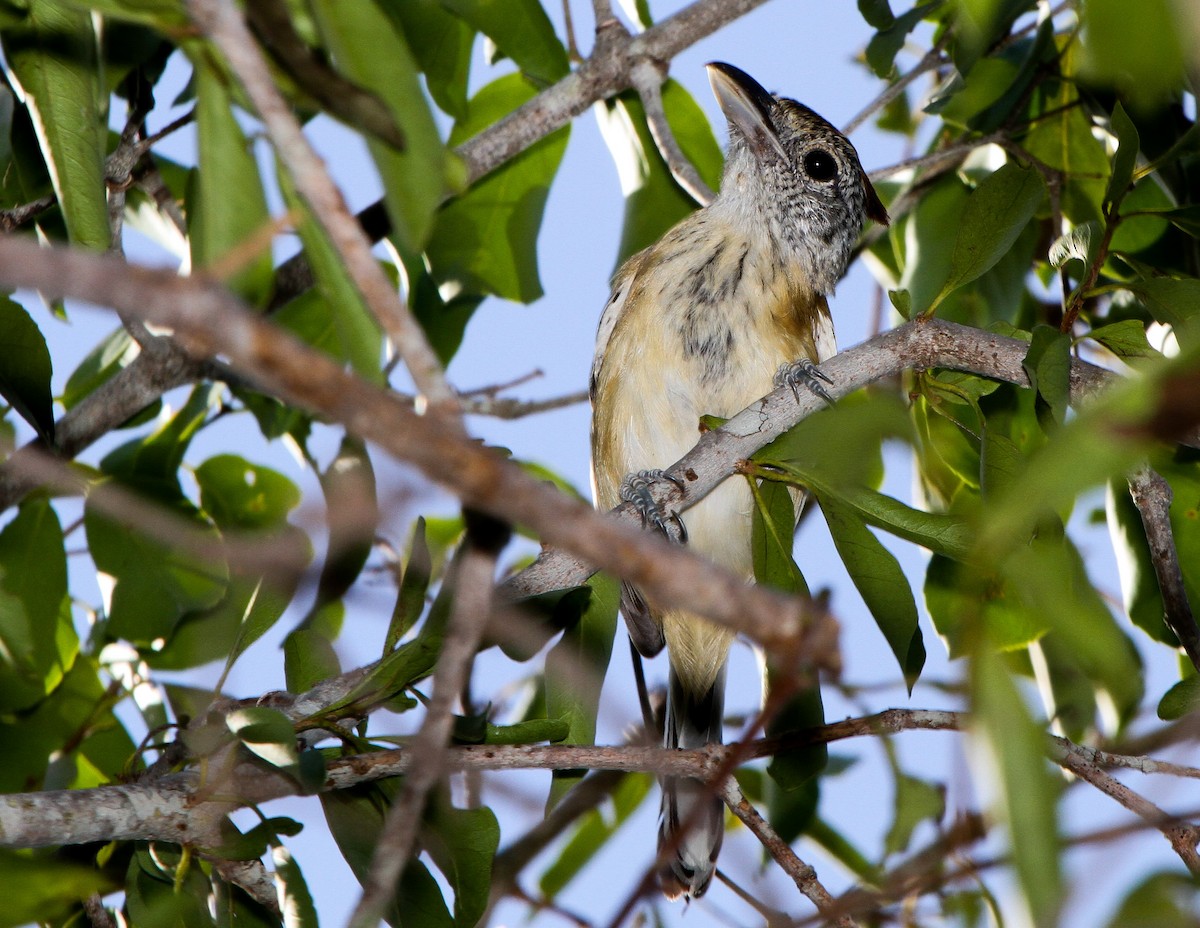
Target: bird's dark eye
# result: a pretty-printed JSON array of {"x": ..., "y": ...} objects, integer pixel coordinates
[{"x": 819, "y": 165}]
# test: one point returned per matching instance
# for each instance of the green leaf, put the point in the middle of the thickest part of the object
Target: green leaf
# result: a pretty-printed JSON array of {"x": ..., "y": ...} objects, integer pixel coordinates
[
  {"x": 1167, "y": 899},
  {"x": 773, "y": 528},
  {"x": 52, "y": 55},
  {"x": 1028, "y": 789},
  {"x": 355, "y": 817},
  {"x": 410, "y": 597},
  {"x": 1181, "y": 699},
  {"x": 575, "y": 669},
  {"x": 369, "y": 50},
  {"x": 1174, "y": 301},
  {"x": 485, "y": 239},
  {"x": 877, "y": 13},
  {"x": 531, "y": 731},
  {"x": 993, "y": 218},
  {"x": 654, "y": 202},
  {"x": 25, "y": 368},
  {"x": 441, "y": 42},
  {"x": 308, "y": 657},
  {"x": 1128, "y": 145},
  {"x": 38, "y": 643},
  {"x": 244, "y": 496},
  {"x": 962, "y": 599},
  {"x": 797, "y": 768},
  {"x": 299, "y": 910},
  {"x": 1126, "y": 339},
  {"x": 52, "y": 728},
  {"x": 463, "y": 842},
  {"x": 227, "y": 208},
  {"x": 351, "y": 516},
  {"x": 44, "y": 889},
  {"x": 1048, "y": 364},
  {"x": 887, "y": 42},
  {"x": 522, "y": 31},
  {"x": 879, "y": 580},
  {"x": 113, "y": 353},
  {"x": 156, "y": 583},
  {"x": 914, "y": 802},
  {"x": 924, "y": 234},
  {"x": 332, "y": 316},
  {"x": 1143, "y": 55},
  {"x": 267, "y": 733}
]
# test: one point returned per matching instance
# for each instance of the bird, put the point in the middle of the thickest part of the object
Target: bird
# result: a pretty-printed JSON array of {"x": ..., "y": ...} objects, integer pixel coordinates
[{"x": 727, "y": 304}]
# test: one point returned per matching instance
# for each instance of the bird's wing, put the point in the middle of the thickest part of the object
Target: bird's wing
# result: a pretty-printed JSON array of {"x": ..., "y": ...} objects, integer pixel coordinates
[{"x": 621, "y": 286}]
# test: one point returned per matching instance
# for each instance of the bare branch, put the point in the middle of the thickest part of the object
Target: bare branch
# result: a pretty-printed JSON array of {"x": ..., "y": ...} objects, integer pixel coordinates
[
  {"x": 473, "y": 585},
  {"x": 223, "y": 22},
  {"x": 933, "y": 58},
  {"x": 647, "y": 81},
  {"x": 1152, "y": 496},
  {"x": 802, "y": 874}
]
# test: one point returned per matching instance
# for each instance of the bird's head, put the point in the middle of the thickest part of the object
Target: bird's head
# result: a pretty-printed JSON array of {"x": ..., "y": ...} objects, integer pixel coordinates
[{"x": 798, "y": 170}]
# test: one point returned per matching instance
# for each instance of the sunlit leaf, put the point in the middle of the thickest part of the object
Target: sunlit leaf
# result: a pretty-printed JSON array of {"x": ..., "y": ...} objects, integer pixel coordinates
[{"x": 521, "y": 30}]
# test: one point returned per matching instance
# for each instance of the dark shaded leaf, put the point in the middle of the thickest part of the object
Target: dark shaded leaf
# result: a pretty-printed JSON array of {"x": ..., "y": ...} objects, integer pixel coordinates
[{"x": 25, "y": 368}]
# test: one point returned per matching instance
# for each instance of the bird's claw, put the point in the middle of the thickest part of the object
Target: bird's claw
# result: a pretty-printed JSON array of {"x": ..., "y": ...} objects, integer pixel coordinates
[
  {"x": 804, "y": 372},
  {"x": 635, "y": 489}
]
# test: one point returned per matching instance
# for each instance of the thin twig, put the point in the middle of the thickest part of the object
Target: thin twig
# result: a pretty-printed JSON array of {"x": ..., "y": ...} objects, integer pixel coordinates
[
  {"x": 224, "y": 24},
  {"x": 647, "y": 79},
  {"x": 473, "y": 586},
  {"x": 802, "y": 874},
  {"x": 1152, "y": 496},
  {"x": 933, "y": 58}
]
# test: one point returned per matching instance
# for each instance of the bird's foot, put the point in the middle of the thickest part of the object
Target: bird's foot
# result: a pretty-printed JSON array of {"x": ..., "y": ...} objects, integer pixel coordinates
[
  {"x": 804, "y": 373},
  {"x": 636, "y": 489}
]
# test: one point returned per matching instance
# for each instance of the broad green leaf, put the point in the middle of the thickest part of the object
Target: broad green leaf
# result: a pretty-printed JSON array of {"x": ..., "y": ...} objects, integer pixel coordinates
[
  {"x": 1028, "y": 790},
  {"x": 879, "y": 580},
  {"x": 978, "y": 25},
  {"x": 1142, "y": 55},
  {"x": 410, "y": 595},
  {"x": 227, "y": 208},
  {"x": 794, "y": 768},
  {"x": 993, "y": 218},
  {"x": 522, "y": 31},
  {"x": 52, "y": 56},
  {"x": 1184, "y": 477},
  {"x": 877, "y": 13},
  {"x": 151, "y": 463},
  {"x": 1128, "y": 145},
  {"x": 1181, "y": 699},
  {"x": 38, "y": 643},
  {"x": 772, "y": 531},
  {"x": 266, "y": 732},
  {"x": 52, "y": 728},
  {"x": 441, "y": 42},
  {"x": 575, "y": 669},
  {"x": 1048, "y": 364},
  {"x": 161, "y": 892},
  {"x": 962, "y": 599},
  {"x": 915, "y": 801},
  {"x": 1174, "y": 301},
  {"x": 1126, "y": 339},
  {"x": 1168, "y": 899},
  {"x": 157, "y": 583},
  {"x": 343, "y": 329},
  {"x": 369, "y": 50},
  {"x": 244, "y": 496},
  {"x": 25, "y": 368},
  {"x": 532, "y": 731},
  {"x": 43, "y": 889},
  {"x": 245, "y": 613},
  {"x": 987, "y": 82},
  {"x": 887, "y": 42},
  {"x": 355, "y": 818},
  {"x": 299, "y": 910},
  {"x": 653, "y": 200},
  {"x": 463, "y": 842},
  {"x": 351, "y": 515},
  {"x": 924, "y": 235},
  {"x": 1135, "y": 566},
  {"x": 594, "y": 830},
  {"x": 444, "y": 318},
  {"x": 791, "y": 811},
  {"x": 308, "y": 658},
  {"x": 170, "y": 16},
  {"x": 113, "y": 353},
  {"x": 485, "y": 239},
  {"x": 1142, "y": 220}
]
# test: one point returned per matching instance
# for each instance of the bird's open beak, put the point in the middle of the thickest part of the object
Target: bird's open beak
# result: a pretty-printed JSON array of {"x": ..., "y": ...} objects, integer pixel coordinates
[{"x": 746, "y": 105}]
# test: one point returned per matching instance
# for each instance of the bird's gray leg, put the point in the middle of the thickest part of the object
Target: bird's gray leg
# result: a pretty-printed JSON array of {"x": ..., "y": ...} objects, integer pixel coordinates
[
  {"x": 636, "y": 489},
  {"x": 804, "y": 373}
]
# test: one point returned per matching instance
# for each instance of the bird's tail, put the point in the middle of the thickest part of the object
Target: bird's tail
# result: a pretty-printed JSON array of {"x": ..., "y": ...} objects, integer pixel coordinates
[{"x": 692, "y": 823}]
